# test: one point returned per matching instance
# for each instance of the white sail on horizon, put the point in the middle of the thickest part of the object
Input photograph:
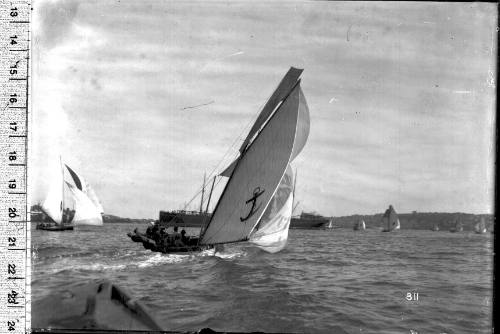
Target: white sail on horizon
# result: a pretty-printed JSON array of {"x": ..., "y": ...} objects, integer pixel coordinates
[
  {"x": 391, "y": 220},
  {"x": 256, "y": 175},
  {"x": 81, "y": 198},
  {"x": 480, "y": 227}
]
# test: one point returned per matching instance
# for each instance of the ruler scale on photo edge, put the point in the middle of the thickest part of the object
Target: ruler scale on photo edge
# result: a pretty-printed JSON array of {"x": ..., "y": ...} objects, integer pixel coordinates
[{"x": 15, "y": 266}]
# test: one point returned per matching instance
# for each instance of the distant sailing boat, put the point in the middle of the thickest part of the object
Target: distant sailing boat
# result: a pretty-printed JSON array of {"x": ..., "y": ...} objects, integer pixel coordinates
[
  {"x": 70, "y": 204},
  {"x": 390, "y": 220},
  {"x": 458, "y": 227},
  {"x": 480, "y": 227},
  {"x": 360, "y": 225},
  {"x": 435, "y": 228},
  {"x": 256, "y": 203}
]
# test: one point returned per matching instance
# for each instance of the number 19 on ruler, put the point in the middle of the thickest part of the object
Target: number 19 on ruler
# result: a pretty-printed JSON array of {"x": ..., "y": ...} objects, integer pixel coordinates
[{"x": 14, "y": 216}]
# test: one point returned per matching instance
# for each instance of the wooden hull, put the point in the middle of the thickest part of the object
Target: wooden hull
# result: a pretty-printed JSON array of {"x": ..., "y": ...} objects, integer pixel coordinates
[
  {"x": 53, "y": 227},
  {"x": 152, "y": 245}
]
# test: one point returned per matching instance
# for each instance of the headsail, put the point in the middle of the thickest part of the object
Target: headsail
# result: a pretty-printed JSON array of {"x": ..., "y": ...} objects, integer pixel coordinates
[
  {"x": 271, "y": 233},
  {"x": 258, "y": 172},
  {"x": 86, "y": 213},
  {"x": 89, "y": 191},
  {"x": 82, "y": 185}
]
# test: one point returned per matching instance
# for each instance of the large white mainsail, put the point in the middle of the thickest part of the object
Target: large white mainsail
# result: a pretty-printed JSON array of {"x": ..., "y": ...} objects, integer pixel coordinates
[
  {"x": 256, "y": 175},
  {"x": 86, "y": 213}
]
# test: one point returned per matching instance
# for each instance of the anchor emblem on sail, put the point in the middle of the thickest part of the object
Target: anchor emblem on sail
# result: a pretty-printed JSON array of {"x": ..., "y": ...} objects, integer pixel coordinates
[{"x": 256, "y": 193}]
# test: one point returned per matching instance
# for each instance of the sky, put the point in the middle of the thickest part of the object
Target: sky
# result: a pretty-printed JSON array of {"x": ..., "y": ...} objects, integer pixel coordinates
[{"x": 142, "y": 98}]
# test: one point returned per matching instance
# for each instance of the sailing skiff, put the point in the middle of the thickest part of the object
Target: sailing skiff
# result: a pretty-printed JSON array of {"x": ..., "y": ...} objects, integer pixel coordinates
[
  {"x": 390, "y": 220},
  {"x": 480, "y": 227},
  {"x": 256, "y": 203},
  {"x": 70, "y": 204}
]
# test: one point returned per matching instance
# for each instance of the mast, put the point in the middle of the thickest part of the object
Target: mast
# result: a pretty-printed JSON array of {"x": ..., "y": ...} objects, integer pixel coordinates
[
  {"x": 202, "y": 192},
  {"x": 210, "y": 195},
  {"x": 62, "y": 185},
  {"x": 294, "y": 205},
  {"x": 206, "y": 210},
  {"x": 294, "y": 183}
]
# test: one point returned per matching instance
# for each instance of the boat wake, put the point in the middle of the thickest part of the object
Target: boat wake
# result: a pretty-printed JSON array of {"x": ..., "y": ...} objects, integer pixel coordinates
[
  {"x": 158, "y": 259},
  {"x": 129, "y": 260},
  {"x": 230, "y": 255}
]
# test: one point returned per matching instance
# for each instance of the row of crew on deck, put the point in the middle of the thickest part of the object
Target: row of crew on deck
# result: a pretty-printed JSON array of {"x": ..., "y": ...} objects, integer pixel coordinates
[{"x": 164, "y": 239}]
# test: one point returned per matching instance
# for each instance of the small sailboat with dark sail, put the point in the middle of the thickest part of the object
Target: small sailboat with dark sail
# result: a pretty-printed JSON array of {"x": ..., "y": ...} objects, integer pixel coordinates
[
  {"x": 257, "y": 201},
  {"x": 70, "y": 204}
]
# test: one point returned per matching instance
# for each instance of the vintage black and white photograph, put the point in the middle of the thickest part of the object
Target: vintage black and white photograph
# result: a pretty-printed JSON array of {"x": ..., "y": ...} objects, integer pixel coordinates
[{"x": 262, "y": 166}]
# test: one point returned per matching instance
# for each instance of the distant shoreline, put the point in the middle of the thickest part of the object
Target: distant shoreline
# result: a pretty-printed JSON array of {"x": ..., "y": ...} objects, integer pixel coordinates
[{"x": 409, "y": 221}]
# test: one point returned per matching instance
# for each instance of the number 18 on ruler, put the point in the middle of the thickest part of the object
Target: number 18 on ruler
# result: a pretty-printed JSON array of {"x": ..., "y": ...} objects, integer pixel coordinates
[{"x": 14, "y": 215}]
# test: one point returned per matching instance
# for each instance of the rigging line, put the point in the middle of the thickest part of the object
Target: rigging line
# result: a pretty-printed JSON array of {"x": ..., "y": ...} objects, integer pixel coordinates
[
  {"x": 245, "y": 129},
  {"x": 238, "y": 138},
  {"x": 199, "y": 191}
]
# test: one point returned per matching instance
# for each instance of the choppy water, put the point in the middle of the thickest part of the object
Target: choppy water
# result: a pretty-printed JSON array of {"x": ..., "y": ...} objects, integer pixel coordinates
[{"x": 323, "y": 280}]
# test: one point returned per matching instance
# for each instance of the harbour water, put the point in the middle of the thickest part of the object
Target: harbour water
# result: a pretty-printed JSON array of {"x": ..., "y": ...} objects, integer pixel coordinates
[{"x": 323, "y": 281}]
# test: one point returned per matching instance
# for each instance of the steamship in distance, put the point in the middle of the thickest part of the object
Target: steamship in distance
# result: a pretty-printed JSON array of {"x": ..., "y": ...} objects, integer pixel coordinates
[
  {"x": 310, "y": 221},
  {"x": 184, "y": 218},
  {"x": 190, "y": 218}
]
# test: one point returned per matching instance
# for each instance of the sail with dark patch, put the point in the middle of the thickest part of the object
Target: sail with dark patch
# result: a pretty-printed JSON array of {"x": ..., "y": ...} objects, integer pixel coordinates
[
  {"x": 75, "y": 177},
  {"x": 71, "y": 203}
]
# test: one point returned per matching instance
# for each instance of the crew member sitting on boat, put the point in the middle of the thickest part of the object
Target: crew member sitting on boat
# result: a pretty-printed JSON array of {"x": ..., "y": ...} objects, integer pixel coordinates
[
  {"x": 176, "y": 236},
  {"x": 67, "y": 216},
  {"x": 184, "y": 238},
  {"x": 164, "y": 240}
]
